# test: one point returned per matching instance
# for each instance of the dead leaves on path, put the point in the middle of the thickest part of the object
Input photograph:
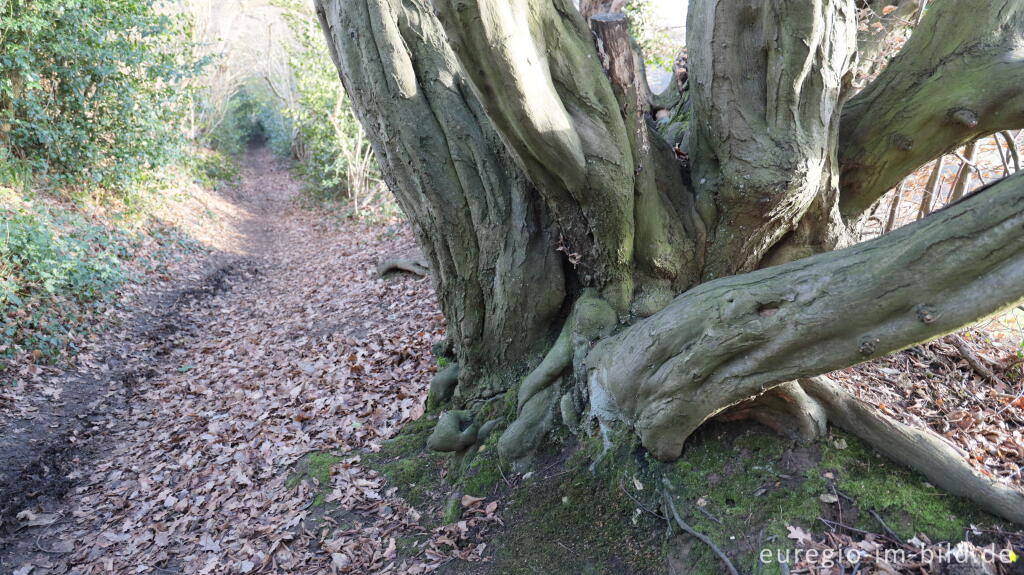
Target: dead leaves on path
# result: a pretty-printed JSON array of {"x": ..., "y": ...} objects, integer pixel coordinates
[{"x": 313, "y": 352}]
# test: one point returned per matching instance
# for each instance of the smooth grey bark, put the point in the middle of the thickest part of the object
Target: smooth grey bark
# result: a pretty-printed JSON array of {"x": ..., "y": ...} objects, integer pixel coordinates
[
  {"x": 492, "y": 252},
  {"x": 957, "y": 78}
]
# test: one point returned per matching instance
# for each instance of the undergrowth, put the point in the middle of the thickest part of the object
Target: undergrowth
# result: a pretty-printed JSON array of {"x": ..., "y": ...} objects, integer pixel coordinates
[{"x": 61, "y": 268}]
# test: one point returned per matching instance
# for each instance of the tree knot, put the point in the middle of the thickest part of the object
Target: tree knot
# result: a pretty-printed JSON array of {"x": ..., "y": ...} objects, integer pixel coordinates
[
  {"x": 925, "y": 313},
  {"x": 868, "y": 344},
  {"x": 965, "y": 117}
]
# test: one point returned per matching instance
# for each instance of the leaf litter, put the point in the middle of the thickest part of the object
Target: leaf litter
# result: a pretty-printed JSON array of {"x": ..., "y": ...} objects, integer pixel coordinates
[{"x": 311, "y": 351}]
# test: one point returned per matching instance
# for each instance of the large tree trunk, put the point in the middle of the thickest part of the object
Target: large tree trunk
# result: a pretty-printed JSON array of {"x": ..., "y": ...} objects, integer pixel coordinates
[{"x": 587, "y": 267}]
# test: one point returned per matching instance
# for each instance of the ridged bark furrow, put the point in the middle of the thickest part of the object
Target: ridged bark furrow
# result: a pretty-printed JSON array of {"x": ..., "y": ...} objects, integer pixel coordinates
[{"x": 492, "y": 252}]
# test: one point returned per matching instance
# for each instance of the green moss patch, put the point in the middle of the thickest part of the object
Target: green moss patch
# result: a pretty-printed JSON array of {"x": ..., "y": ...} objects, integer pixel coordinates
[
  {"x": 904, "y": 499},
  {"x": 739, "y": 484},
  {"x": 418, "y": 474},
  {"x": 314, "y": 467},
  {"x": 560, "y": 522}
]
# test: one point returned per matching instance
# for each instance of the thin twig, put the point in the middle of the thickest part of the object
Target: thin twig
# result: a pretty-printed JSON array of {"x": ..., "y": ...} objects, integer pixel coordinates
[
  {"x": 703, "y": 538},
  {"x": 641, "y": 505},
  {"x": 886, "y": 526},
  {"x": 1012, "y": 402},
  {"x": 931, "y": 188},
  {"x": 973, "y": 360},
  {"x": 40, "y": 547},
  {"x": 708, "y": 514}
]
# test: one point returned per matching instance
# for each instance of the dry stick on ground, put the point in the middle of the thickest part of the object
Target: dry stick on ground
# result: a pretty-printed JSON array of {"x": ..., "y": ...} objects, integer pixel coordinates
[
  {"x": 885, "y": 526},
  {"x": 973, "y": 360},
  {"x": 641, "y": 505},
  {"x": 685, "y": 527},
  {"x": 418, "y": 266}
]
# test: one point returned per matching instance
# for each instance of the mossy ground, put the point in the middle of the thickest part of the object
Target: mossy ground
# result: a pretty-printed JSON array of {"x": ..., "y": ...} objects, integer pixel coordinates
[
  {"x": 314, "y": 467},
  {"x": 418, "y": 473},
  {"x": 573, "y": 516}
]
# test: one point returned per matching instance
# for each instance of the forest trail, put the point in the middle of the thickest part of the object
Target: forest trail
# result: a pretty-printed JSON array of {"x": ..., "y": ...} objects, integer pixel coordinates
[{"x": 181, "y": 460}]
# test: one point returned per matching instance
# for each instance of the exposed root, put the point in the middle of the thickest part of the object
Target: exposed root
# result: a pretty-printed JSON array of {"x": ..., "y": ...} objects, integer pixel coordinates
[
  {"x": 786, "y": 409},
  {"x": 539, "y": 396},
  {"x": 591, "y": 319},
  {"x": 802, "y": 410},
  {"x": 417, "y": 265},
  {"x": 924, "y": 451},
  {"x": 551, "y": 368},
  {"x": 518, "y": 443},
  {"x": 455, "y": 431},
  {"x": 442, "y": 386}
]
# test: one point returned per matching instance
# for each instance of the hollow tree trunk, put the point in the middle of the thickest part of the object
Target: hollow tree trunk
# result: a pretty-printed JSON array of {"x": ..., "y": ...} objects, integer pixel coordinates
[{"x": 588, "y": 268}]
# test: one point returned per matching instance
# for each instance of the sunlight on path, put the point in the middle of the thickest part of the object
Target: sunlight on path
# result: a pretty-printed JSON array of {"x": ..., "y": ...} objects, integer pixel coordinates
[{"x": 297, "y": 347}]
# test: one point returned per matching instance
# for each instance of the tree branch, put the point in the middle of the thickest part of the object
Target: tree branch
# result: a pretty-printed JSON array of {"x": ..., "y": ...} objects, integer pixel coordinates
[
  {"x": 728, "y": 340},
  {"x": 541, "y": 82},
  {"x": 958, "y": 77}
]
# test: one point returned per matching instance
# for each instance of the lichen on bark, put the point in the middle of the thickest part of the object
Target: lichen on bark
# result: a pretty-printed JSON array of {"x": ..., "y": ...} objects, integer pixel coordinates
[{"x": 594, "y": 274}]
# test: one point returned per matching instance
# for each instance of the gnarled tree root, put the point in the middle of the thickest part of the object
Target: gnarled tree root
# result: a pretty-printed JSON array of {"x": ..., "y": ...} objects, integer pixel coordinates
[
  {"x": 455, "y": 431},
  {"x": 807, "y": 402},
  {"x": 414, "y": 265},
  {"x": 591, "y": 319},
  {"x": 539, "y": 396}
]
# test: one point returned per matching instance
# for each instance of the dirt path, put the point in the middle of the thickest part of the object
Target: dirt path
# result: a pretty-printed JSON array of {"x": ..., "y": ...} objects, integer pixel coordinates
[{"x": 172, "y": 453}]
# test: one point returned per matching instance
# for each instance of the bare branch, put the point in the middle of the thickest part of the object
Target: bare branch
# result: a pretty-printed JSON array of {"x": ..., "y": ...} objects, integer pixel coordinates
[
  {"x": 729, "y": 339},
  {"x": 957, "y": 78}
]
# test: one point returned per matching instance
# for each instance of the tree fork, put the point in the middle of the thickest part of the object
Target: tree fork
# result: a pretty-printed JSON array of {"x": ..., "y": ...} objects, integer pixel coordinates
[
  {"x": 734, "y": 338},
  {"x": 957, "y": 78}
]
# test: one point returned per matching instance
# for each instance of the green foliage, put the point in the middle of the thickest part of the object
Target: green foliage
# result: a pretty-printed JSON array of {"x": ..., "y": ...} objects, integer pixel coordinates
[
  {"x": 335, "y": 157},
  {"x": 212, "y": 169},
  {"x": 55, "y": 266},
  {"x": 90, "y": 90},
  {"x": 252, "y": 116},
  {"x": 658, "y": 49}
]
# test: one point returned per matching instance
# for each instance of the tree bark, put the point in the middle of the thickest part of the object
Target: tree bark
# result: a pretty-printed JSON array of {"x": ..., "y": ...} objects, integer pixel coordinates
[
  {"x": 956, "y": 79},
  {"x": 767, "y": 81},
  {"x": 587, "y": 266},
  {"x": 733, "y": 338},
  {"x": 500, "y": 280}
]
